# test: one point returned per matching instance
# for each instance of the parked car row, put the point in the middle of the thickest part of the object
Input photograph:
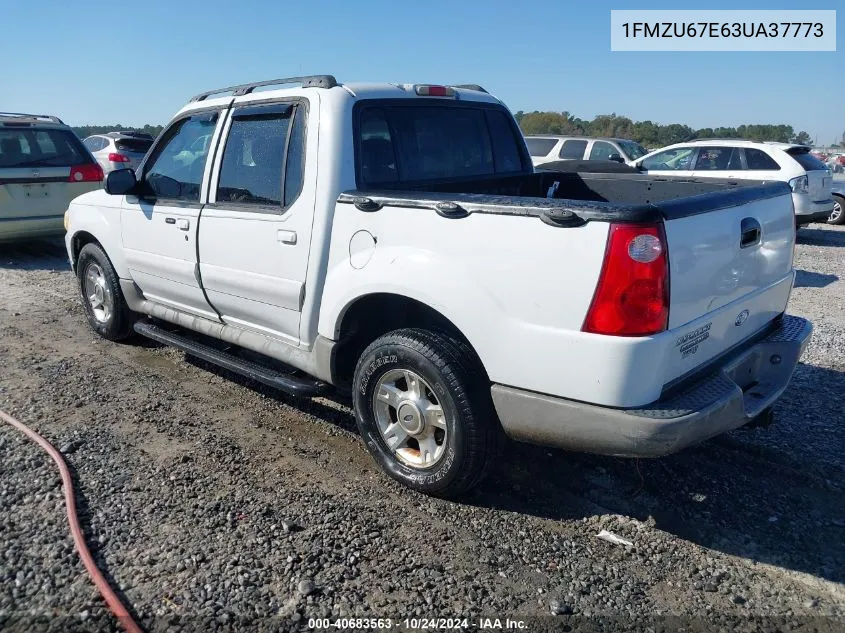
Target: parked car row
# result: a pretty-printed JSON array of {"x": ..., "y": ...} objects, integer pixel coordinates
[{"x": 809, "y": 178}]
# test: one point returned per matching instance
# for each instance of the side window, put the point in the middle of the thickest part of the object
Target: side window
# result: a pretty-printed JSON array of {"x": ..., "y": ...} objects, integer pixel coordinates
[
  {"x": 679, "y": 158},
  {"x": 176, "y": 169},
  {"x": 573, "y": 149},
  {"x": 254, "y": 155},
  {"x": 91, "y": 144},
  {"x": 718, "y": 159},
  {"x": 757, "y": 159},
  {"x": 540, "y": 146},
  {"x": 295, "y": 164},
  {"x": 602, "y": 150}
]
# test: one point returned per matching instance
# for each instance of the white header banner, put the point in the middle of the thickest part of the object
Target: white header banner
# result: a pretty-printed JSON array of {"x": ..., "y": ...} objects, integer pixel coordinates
[{"x": 647, "y": 30}]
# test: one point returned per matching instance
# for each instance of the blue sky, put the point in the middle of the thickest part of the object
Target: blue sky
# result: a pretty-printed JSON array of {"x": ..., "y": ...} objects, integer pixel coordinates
[{"x": 138, "y": 62}]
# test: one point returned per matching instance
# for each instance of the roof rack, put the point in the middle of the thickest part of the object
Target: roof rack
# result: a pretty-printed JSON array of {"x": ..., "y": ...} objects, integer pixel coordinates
[
  {"x": 719, "y": 138},
  {"x": 475, "y": 87},
  {"x": 35, "y": 117},
  {"x": 308, "y": 81}
]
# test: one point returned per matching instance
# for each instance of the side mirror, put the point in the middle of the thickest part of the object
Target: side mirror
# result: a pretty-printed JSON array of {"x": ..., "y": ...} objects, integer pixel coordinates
[
  {"x": 121, "y": 182},
  {"x": 616, "y": 157}
]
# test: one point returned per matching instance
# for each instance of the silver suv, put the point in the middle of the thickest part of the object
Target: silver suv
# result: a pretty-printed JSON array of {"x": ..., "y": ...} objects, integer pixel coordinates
[
  {"x": 43, "y": 166},
  {"x": 119, "y": 150}
]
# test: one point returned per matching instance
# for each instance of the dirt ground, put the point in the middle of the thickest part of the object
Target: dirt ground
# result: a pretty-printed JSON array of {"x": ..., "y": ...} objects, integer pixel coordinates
[{"x": 216, "y": 504}]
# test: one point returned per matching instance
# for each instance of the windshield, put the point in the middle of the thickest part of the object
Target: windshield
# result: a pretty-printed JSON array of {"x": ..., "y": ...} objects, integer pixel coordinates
[
  {"x": 409, "y": 142},
  {"x": 632, "y": 149},
  {"x": 29, "y": 147}
]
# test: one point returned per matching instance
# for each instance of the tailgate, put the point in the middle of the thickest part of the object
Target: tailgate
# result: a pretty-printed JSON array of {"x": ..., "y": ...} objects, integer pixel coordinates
[
  {"x": 819, "y": 183},
  {"x": 28, "y": 193},
  {"x": 730, "y": 271}
]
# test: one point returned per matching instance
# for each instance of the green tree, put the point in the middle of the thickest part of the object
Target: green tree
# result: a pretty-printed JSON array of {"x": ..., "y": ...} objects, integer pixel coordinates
[{"x": 802, "y": 138}]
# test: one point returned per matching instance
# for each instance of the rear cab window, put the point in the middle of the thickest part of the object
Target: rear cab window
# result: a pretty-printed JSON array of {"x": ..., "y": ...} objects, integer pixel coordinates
[
  {"x": 33, "y": 147},
  {"x": 406, "y": 141}
]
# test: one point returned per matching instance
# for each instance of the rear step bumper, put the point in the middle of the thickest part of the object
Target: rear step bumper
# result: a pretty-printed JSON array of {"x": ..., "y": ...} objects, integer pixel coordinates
[
  {"x": 730, "y": 397},
  {"x": 298, "y": 385}
]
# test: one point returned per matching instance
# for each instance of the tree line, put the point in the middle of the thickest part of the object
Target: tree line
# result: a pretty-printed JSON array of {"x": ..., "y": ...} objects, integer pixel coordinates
[
  {"x": 83, "y": 131},
  {"x": 648, "y": 133}
]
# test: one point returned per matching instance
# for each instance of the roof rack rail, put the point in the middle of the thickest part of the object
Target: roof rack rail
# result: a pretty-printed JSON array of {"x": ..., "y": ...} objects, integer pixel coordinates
[
  {"x": 22, "y": 115},
  {"x": 308, "y": 81},
  {"x": 475, "y": 87},
  {"x": 720, "y": 138}
]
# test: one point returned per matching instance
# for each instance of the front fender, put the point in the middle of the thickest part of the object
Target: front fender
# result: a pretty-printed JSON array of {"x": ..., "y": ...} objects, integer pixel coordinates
[{"x": 99, "y": 215}]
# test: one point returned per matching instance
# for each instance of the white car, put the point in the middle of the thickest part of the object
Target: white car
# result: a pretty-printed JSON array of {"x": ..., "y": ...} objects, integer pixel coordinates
[
  {"x": 808, "y": 177},
  {"x": 119, "y": 150},
  {"x": 547, "y": 148},
  {"x": 394, "y": 242}
]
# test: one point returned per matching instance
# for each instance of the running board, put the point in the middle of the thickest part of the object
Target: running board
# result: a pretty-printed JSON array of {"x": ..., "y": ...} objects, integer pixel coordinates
[{"x": 297, "y": 385}]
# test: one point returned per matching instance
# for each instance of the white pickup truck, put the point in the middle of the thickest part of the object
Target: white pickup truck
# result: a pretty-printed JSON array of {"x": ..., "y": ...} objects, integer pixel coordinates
[{"x": 393, "y": 241}]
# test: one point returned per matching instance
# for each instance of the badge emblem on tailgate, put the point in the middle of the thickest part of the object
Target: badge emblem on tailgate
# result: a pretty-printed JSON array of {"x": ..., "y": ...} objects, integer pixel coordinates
[{"x": 741, "y": 318}]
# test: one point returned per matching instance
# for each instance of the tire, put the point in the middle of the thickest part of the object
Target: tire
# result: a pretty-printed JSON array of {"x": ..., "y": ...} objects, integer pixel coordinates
[
  {"x": 425, "y": 370},
  {"x": 836, "y": 216},
  {"x": 106, "y": 311}
]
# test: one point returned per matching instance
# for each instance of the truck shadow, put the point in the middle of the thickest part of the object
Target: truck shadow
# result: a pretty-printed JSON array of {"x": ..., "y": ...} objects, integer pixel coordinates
[
  {"x": 809, "y": 279},
  {"x": 770, "y": 495},
  {"x": 821, "y": 237},
  {"x": 43, "y": 254}
]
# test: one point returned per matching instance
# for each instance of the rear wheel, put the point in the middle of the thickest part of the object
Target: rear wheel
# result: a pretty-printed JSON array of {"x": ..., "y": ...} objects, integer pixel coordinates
[
  {"x": 106, "y": 309},
  {"x": 424, "y": 411},
  {"x": 836, "y": 216}
]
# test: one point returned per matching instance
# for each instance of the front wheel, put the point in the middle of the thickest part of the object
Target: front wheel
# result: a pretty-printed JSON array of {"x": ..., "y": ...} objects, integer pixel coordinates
[
  {"x": 106, "y": 309},
  {"x": 423, "y": 408},
  {"x": 836, "y": 216}
]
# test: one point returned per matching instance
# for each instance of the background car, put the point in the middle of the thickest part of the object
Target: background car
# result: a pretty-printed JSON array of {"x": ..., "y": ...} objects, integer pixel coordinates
[
  {"x": 809, "y": 178},
  {"x": 836, "y": 163},
  {"x": 119, "y": 150},
  {"x": 43, "y": 166},
  {"x": 548, "y": 148}
]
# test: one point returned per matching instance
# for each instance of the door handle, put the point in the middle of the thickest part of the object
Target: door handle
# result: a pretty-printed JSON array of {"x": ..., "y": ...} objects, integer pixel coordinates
[
  {"x": 751, "y": 233},
  {"x": 183, "y": 224},
  {"x": 286, "y": 237}
]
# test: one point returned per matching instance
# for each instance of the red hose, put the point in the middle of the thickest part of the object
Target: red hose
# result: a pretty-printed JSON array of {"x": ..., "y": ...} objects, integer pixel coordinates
[{"x": 114, "y": 603}]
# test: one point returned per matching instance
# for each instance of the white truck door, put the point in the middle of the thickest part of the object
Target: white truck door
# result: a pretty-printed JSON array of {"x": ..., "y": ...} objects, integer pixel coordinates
[
  {"x": 159, "y": 225},
  {"x": 255, "y": 233}
]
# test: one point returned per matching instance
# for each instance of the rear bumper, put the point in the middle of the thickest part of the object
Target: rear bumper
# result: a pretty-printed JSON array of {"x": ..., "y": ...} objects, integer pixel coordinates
[
  {"x": 25, "y": 228},
  {"x": 743, "y": 387},
  {"x": 807, "y": 211}
]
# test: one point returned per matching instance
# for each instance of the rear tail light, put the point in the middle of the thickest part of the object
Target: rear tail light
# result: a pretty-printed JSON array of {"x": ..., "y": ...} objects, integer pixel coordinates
[
  {"x": 800, "y": 184},
  {"x": 86, "y": 173},
  {"x": 435, "y": 91},
  {"x": 632, "y": 296},
  {"x": 118, "y": 158}
]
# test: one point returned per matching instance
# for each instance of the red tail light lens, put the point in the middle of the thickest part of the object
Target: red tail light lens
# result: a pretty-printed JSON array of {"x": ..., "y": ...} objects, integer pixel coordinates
[
  {"x": 86, "y": 173},
  {"x": 118, "y": 158},
  {"x": 435, "y": 91},
  {"x": 632, "y": 296}
]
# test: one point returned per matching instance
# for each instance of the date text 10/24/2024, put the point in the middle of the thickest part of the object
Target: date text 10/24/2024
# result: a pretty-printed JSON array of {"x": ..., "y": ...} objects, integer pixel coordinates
[{"x": 417, "y": 624}]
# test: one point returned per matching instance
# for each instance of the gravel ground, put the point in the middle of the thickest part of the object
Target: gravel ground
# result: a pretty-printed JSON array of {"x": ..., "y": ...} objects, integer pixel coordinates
[{"x": 214, "y": 504}]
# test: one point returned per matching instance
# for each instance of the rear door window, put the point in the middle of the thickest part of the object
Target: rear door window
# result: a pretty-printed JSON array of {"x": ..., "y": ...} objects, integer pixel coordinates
[
  {"x": 573, "y": 149},
  {"x": 540, "y": 146},
  {"x": 412, "y": 143},
  {"x": 28, "y": 147},
  {"x": 718, "y": 159}
]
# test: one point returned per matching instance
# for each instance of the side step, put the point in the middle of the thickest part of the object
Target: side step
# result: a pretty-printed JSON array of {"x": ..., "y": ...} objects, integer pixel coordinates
[{"x": 298, "y": 385}]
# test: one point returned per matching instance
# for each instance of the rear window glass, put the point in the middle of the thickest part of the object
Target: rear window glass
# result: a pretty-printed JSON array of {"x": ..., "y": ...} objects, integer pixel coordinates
[
  {"x": 417, "y": 143},
  {"x": 807, "y": 160},
  {"x": 28, "y": 147},
  {"x": 540, "y": 146},
  {"x": 139, "y": 146}
]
